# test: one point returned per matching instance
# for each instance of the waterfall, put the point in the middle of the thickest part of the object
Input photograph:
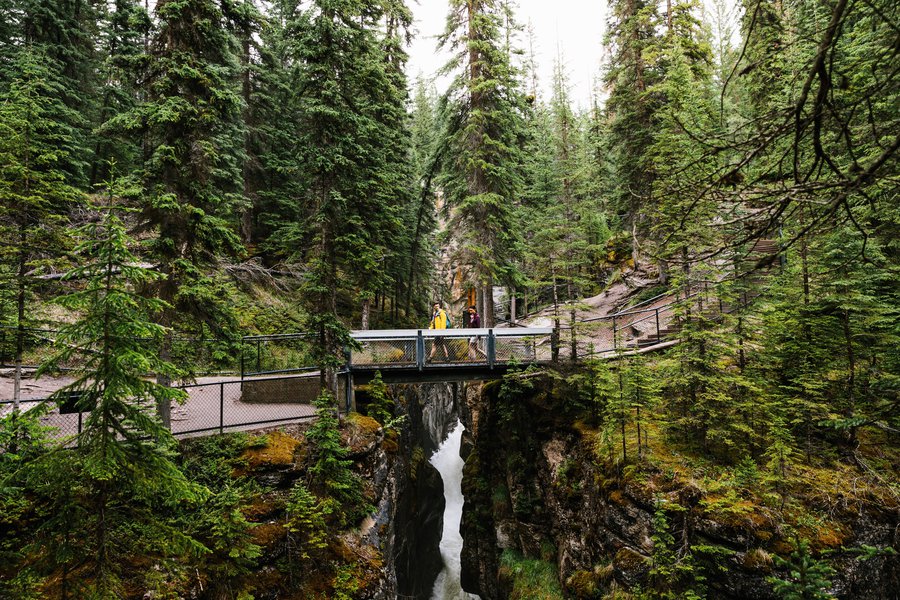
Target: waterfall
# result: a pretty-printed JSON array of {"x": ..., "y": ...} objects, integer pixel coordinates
[{"x": 450, "y": 465}]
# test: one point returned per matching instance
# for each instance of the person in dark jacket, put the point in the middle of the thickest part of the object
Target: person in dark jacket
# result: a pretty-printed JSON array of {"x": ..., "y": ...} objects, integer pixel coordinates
[
  {"x": 474, "y": 318},
  {"x": 474, "y": 323}
]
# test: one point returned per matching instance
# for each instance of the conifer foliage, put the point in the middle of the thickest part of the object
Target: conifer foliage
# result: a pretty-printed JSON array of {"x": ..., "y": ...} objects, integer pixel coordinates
[
  {"x": 483, "y": 177},
  {"x": 120, "y": 471},
  {"x": 145, "y": 149},
  {"x": 35, "y": 194}
]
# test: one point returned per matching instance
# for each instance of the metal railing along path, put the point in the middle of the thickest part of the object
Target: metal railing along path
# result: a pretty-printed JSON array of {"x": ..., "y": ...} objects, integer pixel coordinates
[{"x": 210, "y": 407}]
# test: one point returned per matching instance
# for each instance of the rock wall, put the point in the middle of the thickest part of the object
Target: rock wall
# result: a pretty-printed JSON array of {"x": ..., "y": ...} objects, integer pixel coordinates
[
  {"x": 533, "y": 483},
  {"x": 429, "y": 409},
  {"x": 396, "y": 550}
]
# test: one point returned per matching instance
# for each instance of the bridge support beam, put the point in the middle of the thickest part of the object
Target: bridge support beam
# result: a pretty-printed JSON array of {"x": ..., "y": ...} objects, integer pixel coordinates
[
  {"x": 349, "y": 393},
  {"x": 491, "y": 349},
  {"x": 420, "y": 350}
]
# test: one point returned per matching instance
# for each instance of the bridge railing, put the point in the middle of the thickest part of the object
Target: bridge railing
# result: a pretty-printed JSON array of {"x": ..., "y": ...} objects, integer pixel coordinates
[{"x": 421, "y": 348}]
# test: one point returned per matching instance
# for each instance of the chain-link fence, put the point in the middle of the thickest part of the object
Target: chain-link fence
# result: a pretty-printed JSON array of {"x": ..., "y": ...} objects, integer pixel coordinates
[
  {"x": 423, "y": 348},
  {"x": 275, "y": 354},
  {"x": 206, "y": 356},
  {"x": 399, "y": 350},
  {"x": 210, "y": 407}
]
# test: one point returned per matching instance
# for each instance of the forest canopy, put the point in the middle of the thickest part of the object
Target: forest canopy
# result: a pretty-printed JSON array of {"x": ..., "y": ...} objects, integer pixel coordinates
[{"x": 210, "y": 169}]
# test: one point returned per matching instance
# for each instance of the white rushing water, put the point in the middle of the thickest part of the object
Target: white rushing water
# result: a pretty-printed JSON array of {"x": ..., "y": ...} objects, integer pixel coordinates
[{"x": 449, "y": 464}]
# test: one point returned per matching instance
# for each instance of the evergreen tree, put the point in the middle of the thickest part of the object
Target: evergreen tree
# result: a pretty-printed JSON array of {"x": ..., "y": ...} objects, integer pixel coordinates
[
  {"x": 808, "y": 579},
  {"x": 63, "y": 33},
  {"x": 280, "y": 222},
  {"x": 306, "y": 530},
  {"x": 420, "y": 216},
  {"x": 483, "y": 175},
  {"x": 190, "y": 123},
  {"x": 630, "y": 109},
  {"x": 332, "y": 477},
  {"x": 397, "y": 188},
  {"x": 123, "y": 30},
  {"x": 347, "y": 156},
  {"x": 106, "y": 503},
  {"x": 35, "y": 197}
]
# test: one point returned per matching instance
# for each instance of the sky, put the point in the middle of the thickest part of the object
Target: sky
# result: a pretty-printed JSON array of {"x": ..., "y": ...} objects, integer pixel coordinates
[{"x": 573, "y": 28}]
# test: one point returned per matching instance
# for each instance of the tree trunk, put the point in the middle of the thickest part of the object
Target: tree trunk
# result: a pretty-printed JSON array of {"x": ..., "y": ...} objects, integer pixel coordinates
[
  {"x": 851, "y": 372},
  {"x": 364, "y": 321},
  {"x": 555, "y": 309},
  {"x": 246, "y": 171},
  {"x": 20, "y": 323},
  {"x": 487, "y": 293},
  {"x": 164, "y": 405},
  {"x": 570, "y": 291}
]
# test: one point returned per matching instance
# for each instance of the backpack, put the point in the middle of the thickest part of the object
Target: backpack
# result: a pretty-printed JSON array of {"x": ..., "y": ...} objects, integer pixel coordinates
[{"x": 449, "y": 322}]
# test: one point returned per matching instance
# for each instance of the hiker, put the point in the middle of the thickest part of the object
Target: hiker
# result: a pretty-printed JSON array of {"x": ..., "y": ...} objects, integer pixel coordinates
[
  {"x": 474, "y": 323},
  {"x": 474, "y": 318},
  {"x": 439, "y": 320}
]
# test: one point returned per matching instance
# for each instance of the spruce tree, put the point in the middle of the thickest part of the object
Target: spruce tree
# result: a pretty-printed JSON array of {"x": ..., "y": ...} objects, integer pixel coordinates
[
  {"x": 346, "y": 111},
  {"x": 107, "y": 502},
  {"x": 123, "y": 29},
  {"x": 64, "y": 33},
  {"x": 190, "y": 123},
  {"x": 630, "y": 109},
  {"x": 420, "y": 214},
  {"x": 35, "y": 196},
  {"x": 483, "y": 175}
]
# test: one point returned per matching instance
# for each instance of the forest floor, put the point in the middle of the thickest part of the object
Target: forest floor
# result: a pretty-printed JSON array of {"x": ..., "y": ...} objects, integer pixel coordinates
[{"x": 613, "y": 299}]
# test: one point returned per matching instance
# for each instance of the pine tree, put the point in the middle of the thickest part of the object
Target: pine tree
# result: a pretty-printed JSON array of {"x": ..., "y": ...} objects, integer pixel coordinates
[
  {"x": 34, "y": 194},
  {"x": 483, "y": 175},
  {"x": 107, "y": 501}
]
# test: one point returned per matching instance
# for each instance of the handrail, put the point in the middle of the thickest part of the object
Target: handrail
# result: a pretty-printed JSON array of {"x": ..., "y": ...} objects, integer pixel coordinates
[
  {"x": 626, "y": 313},
  {"x": 408, "y": 334},
  {"x": 648, "y": 300}
]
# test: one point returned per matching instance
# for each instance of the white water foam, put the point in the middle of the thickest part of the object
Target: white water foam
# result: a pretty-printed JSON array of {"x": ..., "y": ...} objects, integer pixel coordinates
[{"x": 449, "y": 464}]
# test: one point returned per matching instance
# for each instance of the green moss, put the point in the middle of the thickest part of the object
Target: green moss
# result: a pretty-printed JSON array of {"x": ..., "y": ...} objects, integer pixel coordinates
[
  {"x": 628, "y": 560},
  {"x": 583, "y": 584},
  {"x": 500, "y": 498},
  {"x": 415, "y": 461},
  {"x": 529, "y": 579}
]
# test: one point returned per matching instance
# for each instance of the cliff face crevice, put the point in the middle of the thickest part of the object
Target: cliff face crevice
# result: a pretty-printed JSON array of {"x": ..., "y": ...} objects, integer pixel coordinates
[
  {"x": 430, "y": 409},
  {"x": 395, "y": 551},
  {"x": 535, "y": 484}
]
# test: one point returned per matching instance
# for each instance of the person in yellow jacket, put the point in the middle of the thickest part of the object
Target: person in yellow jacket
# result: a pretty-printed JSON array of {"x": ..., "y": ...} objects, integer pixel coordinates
[{"x": 439, "y": 320}]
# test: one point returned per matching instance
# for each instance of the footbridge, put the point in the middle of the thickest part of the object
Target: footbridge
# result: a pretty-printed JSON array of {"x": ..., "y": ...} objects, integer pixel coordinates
[{"x": 414, "y": 355}]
